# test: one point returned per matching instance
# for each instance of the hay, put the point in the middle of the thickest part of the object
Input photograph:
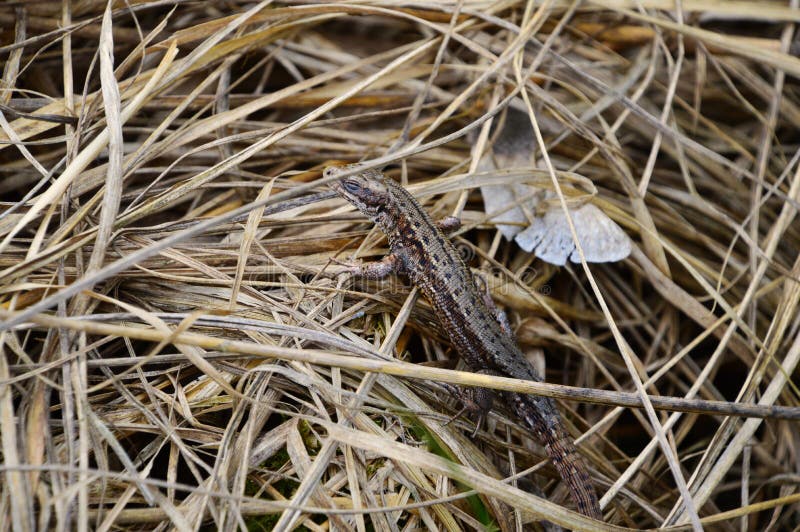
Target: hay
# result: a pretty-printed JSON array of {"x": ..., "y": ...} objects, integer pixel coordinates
[{"x": 179, "y": 351}]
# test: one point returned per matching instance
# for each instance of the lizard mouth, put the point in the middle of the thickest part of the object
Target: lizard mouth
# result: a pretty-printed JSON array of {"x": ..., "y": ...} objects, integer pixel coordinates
[{"x": 338, "y": 188}]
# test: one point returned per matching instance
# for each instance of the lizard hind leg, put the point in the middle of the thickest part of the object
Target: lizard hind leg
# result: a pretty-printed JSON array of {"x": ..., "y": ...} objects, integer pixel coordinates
[{"x": 476, "y": 402}]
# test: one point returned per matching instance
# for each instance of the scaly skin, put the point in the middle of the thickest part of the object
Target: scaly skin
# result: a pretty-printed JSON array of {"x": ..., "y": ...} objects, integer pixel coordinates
[{"x": 420, "y": 250}]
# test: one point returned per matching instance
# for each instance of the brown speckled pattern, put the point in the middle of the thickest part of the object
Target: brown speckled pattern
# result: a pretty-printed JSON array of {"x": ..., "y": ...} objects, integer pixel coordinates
[{"x": 433, "y": 264}]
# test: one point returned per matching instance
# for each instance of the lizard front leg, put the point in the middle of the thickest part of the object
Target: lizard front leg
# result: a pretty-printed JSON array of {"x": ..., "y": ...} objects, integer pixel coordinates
[{"x": 391, "y": 263}]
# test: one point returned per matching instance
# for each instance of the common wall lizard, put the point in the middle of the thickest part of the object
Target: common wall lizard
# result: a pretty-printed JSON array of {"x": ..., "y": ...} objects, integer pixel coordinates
[{"x": 420, "y": 250}]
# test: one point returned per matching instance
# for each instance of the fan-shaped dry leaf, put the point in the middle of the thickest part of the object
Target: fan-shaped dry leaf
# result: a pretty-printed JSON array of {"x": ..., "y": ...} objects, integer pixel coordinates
[
  {"x": 550, "y": 239},
  {"x": 546, "y": 234}
]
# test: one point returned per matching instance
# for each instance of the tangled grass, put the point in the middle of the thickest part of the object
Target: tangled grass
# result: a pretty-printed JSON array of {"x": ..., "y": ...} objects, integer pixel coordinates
[{"x": 178, "y": 350}]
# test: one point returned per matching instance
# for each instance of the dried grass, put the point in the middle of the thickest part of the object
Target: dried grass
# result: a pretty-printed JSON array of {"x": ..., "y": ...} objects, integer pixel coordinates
[{"x": 178, "y": 351}]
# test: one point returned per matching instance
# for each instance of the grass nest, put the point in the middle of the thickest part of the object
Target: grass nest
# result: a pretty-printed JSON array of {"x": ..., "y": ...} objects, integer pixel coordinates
[{"x": 180, "y": 349}]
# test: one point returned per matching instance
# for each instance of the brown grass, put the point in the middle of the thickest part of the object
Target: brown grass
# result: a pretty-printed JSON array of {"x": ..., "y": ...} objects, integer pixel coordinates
[{"x": 178, "y": 351}]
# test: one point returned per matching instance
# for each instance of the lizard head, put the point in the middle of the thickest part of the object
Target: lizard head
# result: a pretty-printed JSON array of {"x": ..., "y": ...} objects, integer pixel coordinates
[{"x": 366, "y": 190}]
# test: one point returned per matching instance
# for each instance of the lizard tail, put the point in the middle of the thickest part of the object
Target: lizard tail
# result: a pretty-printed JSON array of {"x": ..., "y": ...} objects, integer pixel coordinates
[{"x": 540, "y": 414}]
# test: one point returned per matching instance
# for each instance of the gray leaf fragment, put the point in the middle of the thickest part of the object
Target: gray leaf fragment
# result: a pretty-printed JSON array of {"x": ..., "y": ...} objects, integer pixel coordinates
[
  {"x": 497, "y": 198},
  {"x": 602, "y": 240},
  {"x": 550, "y": 239}
]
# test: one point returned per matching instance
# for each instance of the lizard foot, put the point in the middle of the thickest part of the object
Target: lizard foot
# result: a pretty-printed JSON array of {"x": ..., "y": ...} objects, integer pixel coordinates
[{"x": 476, "y": 403}]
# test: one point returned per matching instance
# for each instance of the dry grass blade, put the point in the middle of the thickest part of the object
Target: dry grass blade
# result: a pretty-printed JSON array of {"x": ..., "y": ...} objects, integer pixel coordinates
[
  {"x": 179, "y": 350},
  {"x": 380, "y": 364}
]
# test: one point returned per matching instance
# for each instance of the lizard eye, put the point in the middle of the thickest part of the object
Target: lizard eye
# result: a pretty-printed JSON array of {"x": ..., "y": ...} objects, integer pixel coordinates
[{"x": 352, "y": 187}]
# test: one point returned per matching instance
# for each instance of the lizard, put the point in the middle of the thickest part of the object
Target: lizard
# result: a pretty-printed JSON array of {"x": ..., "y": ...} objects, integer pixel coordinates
[{"x": 420, "y": 250}]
